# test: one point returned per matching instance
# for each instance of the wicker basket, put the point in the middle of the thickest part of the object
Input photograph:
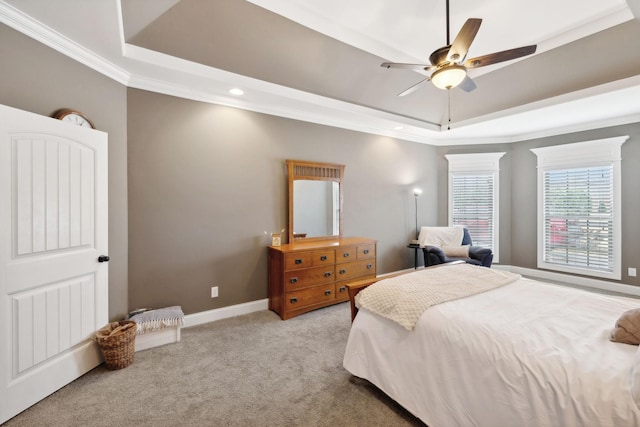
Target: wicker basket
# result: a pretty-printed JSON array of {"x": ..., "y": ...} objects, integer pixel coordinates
[{"x": 117, "y": 343}]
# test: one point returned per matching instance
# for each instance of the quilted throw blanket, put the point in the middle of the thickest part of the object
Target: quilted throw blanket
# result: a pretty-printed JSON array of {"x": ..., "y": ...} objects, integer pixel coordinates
[
  {"x": 149, "y": 320},
  {"x": 404, "y": 298},
  {"x": 440, "y": 236}
]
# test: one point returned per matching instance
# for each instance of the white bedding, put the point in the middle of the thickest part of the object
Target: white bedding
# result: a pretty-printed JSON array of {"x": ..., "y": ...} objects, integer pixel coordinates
[{"x": 525, "y": 354}]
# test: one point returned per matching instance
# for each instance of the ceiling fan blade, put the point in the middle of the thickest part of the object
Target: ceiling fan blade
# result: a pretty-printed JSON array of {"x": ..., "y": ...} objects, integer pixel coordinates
[
  {"x": 460, "y": 47},
  {"x": 467, "y": 84},
  {"x": 406, "y": 66},
  {"x": 414, "y": 87},
  {"x": 505, "y": 55}
]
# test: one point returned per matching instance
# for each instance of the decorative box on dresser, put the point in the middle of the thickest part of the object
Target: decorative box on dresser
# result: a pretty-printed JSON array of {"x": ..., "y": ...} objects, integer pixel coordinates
[{"x": 304, "y": 276}]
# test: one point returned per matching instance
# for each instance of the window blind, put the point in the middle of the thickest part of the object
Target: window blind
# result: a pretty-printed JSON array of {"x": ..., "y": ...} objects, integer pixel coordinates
[
  {"x": 579, "y": 217},
  {"x": 472, "y": 206}
]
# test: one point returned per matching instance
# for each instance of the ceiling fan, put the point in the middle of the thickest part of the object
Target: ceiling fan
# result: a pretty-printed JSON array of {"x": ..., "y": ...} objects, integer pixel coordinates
[{"x": 449, "y": 65}]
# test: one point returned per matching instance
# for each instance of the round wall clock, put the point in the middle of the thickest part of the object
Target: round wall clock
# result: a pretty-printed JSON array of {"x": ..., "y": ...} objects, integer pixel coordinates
[{"x": 73, "y": 116}]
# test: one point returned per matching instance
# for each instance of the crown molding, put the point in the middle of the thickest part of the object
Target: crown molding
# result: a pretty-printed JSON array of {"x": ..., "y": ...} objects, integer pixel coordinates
[
  {"x": 25, "y": 24},
  {"x": 154, "y": 71}
]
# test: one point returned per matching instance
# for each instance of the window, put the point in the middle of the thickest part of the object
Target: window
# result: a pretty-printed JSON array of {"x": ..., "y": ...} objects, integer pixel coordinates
[
  {"x": 473, "y": 196},
  {"x": 579, "y": 207}
]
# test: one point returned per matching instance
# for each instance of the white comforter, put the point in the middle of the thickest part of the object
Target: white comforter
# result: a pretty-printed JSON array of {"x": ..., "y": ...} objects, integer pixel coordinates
[{"x": 525, "y": 354}]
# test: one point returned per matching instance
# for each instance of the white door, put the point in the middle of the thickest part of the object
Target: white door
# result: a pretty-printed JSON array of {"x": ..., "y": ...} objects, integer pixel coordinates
[{"x": 53, "y": 228}]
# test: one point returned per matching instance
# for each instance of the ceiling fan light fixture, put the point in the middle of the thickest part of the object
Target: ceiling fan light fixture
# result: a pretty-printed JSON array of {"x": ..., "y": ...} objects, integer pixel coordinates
[{"x": 449, "y": 77}]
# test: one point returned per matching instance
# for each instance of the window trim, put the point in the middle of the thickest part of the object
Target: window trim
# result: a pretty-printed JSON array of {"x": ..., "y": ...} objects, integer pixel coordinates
[
  {"x": 478, "y": 164},
  {"x": 593, "y": 153}
]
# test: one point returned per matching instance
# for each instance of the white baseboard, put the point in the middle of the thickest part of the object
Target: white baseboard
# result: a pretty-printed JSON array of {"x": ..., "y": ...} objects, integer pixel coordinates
[
  {"x": 225, "y": 312},
  {"x": 572, "y": 280}
]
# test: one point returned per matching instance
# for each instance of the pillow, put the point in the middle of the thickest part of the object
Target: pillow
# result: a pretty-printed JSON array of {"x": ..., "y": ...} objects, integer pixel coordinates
[
  {"x": 456, "y": 251},
  {"x": 627, "y": 328},
  {"x": 627, "y": 331},
  {"x": 635, "y": 379}
]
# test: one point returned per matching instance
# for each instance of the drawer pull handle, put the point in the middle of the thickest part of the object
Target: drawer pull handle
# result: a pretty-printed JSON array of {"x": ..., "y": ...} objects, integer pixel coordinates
[
  {"x": 346, "y": 254},
  {"x": 343, "y": 271},
  {"x": 327, "y": 274},
  {"x": 369, "y": 266},
  {"x": 298, "y": 261},
  {"x": 293, "y": 300},
  {"x": 366, "y": 251},
  {"x": 323, "y": 258},
  {"x": 293, "y": 280},
  {"x": 343, "y": 288},
  {"x": 327, "y": 292}
]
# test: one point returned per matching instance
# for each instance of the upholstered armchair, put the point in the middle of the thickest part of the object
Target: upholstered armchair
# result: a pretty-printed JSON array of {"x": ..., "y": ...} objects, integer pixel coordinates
[{"x": 463, "y": 251}]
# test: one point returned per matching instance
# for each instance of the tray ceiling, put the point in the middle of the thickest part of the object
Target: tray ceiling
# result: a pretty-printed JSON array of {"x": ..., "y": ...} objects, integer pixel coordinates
[{"x": 318, "y": 60}]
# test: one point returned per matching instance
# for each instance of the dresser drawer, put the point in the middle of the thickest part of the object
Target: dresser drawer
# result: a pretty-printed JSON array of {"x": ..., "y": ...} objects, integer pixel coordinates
[
  {"x": 298, "y": 279},
  {"x": 319, "y": 258},
  {"x": 350, "y": 270},
  {"x": 342, "y": 292},
  {"x": 310, "y": 296},
  {"x": 346, "y": 254},
  {"x": 366, "y": 251},
  {"x": 297, "y": 260}
]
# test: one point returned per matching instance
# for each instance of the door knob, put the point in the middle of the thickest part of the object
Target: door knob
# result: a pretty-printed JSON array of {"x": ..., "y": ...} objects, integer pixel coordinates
[{"x": 103, "y": 258}]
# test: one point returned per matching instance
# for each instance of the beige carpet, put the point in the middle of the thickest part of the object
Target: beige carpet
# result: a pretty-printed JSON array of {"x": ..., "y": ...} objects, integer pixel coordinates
[{"x": 252, "y": 370}]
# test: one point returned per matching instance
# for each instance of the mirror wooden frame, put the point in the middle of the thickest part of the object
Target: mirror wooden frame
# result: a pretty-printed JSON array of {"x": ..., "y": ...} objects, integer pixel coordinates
[{"x": 315, "y": 171}]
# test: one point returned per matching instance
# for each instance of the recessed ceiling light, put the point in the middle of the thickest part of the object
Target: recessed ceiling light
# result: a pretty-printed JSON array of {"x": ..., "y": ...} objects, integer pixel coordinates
[
  {"x": 398, "y": 128},
  {"x": 236, "y": 91}
]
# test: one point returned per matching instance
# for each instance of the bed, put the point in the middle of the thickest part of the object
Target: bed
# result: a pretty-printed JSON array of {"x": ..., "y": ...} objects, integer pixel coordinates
[{"x": 525, "y": 353}]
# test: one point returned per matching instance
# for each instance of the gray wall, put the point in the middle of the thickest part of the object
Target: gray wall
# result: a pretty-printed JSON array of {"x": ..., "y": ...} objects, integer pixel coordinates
[
  {"x": 36, "y": 78},
  {"x": 206, "y": 182},
  {"x": 518, "y": 194}
]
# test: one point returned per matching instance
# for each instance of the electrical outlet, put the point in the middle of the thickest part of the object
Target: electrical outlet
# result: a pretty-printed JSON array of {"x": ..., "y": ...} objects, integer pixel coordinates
[
  {"x": 632, "y": 272},
  {"x": 214, "y": 292}
]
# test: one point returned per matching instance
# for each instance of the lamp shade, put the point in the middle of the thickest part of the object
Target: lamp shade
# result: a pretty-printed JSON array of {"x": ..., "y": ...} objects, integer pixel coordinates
[{"x": 449, "y": 77}]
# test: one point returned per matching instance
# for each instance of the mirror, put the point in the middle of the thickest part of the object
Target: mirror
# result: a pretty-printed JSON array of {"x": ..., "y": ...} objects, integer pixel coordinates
[
  {"x": 315, "y": 200},
  {"x": 316, "y": 208}
]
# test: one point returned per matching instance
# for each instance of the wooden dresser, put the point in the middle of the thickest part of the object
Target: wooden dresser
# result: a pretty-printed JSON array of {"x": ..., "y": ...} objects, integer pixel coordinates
[{"x": 304, "y": 276}]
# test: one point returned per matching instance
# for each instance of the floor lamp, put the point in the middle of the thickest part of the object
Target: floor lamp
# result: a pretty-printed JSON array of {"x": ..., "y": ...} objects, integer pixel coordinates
[{"x": 416, "y": 193}]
